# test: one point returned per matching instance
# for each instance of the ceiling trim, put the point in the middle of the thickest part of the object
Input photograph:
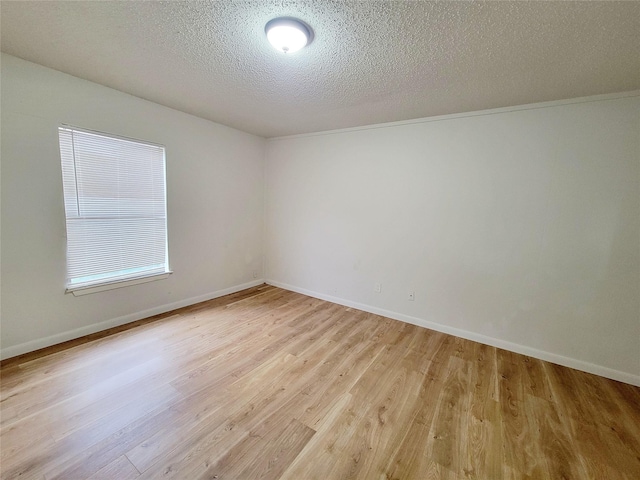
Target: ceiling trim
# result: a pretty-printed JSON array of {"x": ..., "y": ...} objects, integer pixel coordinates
[{"x": 477, "y": 113}]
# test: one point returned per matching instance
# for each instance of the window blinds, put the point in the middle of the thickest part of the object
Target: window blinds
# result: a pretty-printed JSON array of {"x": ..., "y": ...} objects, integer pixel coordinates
[{"x": 115, "y": 204}]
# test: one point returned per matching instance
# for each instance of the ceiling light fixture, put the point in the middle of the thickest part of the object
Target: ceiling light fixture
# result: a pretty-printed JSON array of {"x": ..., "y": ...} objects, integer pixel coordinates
[{"x": 288, "y": 34}]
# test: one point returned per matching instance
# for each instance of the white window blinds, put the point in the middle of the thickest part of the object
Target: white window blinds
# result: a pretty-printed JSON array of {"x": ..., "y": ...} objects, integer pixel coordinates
[{"x": 115, "y": 203}]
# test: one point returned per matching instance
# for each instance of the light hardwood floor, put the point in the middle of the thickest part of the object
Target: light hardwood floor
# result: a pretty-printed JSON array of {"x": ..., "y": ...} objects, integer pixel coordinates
[{"x": 268, "y": 383}]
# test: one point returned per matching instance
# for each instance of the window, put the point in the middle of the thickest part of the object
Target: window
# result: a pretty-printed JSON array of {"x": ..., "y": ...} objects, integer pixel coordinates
[{"x": 115, "y": 204}]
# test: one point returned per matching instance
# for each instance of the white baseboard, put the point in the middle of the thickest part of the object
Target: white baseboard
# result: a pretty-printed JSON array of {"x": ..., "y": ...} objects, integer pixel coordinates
[
  {"x": 116, "y": 322},
  {"x": 476, "y": 337}
]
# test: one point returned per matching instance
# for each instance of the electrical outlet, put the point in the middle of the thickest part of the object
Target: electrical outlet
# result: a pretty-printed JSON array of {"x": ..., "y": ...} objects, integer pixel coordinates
[
  {"x": 412, "y": 296},
  {"x": 377, "y": 287},
  {"x": 255, "y": 274}
]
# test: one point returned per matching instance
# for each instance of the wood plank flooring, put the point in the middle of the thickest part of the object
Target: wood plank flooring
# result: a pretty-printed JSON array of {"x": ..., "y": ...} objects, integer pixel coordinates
[{"x": 270, "y": 384}]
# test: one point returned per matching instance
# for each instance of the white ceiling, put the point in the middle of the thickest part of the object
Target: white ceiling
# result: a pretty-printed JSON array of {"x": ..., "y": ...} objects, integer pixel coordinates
[{"x": 370, "y": 61}]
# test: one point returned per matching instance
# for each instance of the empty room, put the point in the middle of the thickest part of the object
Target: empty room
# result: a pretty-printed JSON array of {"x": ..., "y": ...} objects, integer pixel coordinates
[{"x": 323, "y": 239}]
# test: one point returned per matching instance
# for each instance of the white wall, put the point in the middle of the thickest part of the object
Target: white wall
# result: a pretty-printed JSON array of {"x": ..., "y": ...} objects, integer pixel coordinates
[
  {"x": 215, "y": 206},
  {"x": 518, "y": 227}
]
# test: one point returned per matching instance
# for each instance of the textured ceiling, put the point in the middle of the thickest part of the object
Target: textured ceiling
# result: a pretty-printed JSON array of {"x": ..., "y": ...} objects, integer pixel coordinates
[{"x": 370, "y": 61}]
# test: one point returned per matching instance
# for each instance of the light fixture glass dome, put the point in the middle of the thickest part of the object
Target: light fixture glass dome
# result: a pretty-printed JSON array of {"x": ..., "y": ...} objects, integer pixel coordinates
[{"x": 288, "y": 35}]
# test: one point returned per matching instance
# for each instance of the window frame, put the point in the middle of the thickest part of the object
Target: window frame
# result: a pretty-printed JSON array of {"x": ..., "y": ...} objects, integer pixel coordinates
[{"x": 112, "y": 282}]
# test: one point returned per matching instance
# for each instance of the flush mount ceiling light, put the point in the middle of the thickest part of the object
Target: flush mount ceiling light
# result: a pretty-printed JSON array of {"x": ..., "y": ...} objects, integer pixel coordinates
[{"x": 288, "y": 34}]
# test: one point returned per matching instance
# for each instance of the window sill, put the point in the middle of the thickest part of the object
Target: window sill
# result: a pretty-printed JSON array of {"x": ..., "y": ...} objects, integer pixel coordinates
[{"x": 78, "y": 291}]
